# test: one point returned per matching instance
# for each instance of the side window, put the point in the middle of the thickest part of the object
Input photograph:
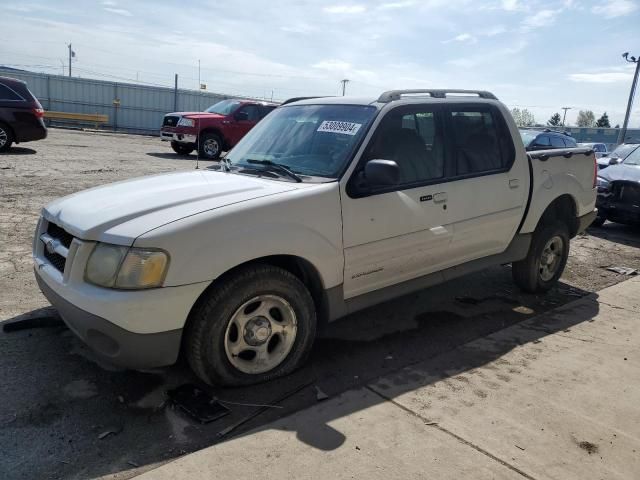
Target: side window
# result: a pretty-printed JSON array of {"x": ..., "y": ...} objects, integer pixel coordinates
[
  {"x": 543, "y": 141},
  {"x": 598, "y": 148},
  {"x": 557, "y": 142},
  {"x": 480, "y": 143},
  {"x": 8, "y": 94},
  {"x": 252, "y": 111},
  {"x": 412, "y": 137},
  {"x": 266, "y": 109},
  {"x": 571, "y": 143}
]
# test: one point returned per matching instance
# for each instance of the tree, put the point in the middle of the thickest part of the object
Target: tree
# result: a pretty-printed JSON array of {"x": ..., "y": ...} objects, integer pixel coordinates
[
  {"x": 523, "y": 118},
  {"x": 586, "y": 118},
  {"x": 603, "y": 121},
  {"x": 555, "y": 120}
]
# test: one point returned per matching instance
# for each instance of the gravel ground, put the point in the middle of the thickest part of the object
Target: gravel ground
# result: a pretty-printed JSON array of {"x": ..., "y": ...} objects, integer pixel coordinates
[{"x": 57, "y": 402}]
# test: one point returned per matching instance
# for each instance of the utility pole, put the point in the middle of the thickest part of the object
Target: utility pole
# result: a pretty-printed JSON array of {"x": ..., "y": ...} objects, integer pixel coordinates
[
  {"x": 634, "y": 84},
  {"x": 199, "y": 84},
  {"x": 565, "y": 114},
  {"x": 344, "y": 85},
  {"x": 175, "y": 94},
  {"x": 71, "y": 55}
]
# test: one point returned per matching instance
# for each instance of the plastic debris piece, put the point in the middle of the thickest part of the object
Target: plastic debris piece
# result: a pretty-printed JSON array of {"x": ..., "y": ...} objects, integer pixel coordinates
[
  {"x": 197, "y": 403},
  {"x": 320, "y": 395},
  {"x": 623, "y": 270}
]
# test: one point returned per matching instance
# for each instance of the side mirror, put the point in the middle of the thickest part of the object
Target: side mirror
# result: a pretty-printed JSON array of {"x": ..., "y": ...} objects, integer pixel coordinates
[
  {"x": 605, "y": 154},
  {"x": 614, "y": 161},
  {"x": 241, "y": 116},
  {"x": 382, "y": 173}
]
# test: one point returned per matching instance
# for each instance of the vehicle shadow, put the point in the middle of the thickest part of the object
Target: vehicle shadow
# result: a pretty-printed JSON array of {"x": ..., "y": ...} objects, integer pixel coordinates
[
  {"x": 92, "y": 420},
  {"x": 619, "y": 233},
  {"x": 19, "y": 151}
]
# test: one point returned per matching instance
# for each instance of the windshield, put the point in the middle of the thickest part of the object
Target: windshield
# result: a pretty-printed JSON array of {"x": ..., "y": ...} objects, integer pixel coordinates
[
  {"x": 315, "y": 140},
  {"x": 633, "y": 158},
  {"x": 528, "y": 136},
  {"x": 225, "y": 107},
  {"x": 621, "y": 151}
]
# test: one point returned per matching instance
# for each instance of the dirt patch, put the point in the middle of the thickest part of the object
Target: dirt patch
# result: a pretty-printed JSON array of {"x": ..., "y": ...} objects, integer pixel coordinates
[{"x": 588, "y": 447}]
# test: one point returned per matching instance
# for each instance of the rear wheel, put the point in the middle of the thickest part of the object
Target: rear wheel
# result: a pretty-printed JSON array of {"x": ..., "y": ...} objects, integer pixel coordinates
[
  {"x": 6, "y": 138},
  {"x": 210, "y": 146},
  {"x": 599, "y": 221},
  {"x": 546, "y": 259},
  {"x": 259, "y": 324},
  {"x": 182, "y": 149}
]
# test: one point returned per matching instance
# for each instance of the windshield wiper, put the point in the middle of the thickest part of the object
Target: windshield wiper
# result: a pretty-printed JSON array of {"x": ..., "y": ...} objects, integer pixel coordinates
[{"x": 277, "y": 167}]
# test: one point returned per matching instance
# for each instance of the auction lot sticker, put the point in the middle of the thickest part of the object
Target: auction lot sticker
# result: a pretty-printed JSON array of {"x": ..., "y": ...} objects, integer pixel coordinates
[{"x": 333, "y": 126}]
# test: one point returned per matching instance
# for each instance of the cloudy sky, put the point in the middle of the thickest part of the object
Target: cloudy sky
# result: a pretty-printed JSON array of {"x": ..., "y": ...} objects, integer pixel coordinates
[{"x": 541, "y": 55}]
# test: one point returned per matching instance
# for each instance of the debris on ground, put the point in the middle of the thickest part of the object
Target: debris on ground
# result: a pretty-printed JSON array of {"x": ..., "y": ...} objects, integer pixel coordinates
[
  {"x": 521, "y": 448},
  {"x": 32, "y": 322},
  {"x": 524, "y": 310},
  {"x": 320, "y": 395},
  {"x": 622, "y": 270},
  {"x": 197, "y": 403},
  {"x": 110, "y": 431},
  {"x": 133, "y": 464},
  {"x": 251, "y": 416}
]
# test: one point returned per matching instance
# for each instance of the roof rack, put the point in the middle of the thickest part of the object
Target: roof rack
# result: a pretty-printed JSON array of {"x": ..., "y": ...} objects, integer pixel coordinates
[
  {"x": 391, "y": 95},
  {"x": 297, "y": 99}
]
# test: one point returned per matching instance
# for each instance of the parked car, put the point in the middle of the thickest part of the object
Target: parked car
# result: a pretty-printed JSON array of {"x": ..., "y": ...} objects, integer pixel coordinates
[
  {"x": 618, "y": 154},
  {"x": 329, "y": 206},
  {"x": 216, "y": 129},
  {"x": 619, "y": 192},
  {"x": 546, "y": 139},
  {"x": 21, "y": 115},
  {"x": 600, "y": 149}
]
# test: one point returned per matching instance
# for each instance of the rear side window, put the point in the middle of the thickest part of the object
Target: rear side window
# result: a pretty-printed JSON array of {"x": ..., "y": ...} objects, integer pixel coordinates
[
  {"x": 557, "y": 142},
  {"x": 481, "y": 140},
  {"x": 7, "y": 93},
  {"x": 571, "y": 143},
  {"x": 543, "y": 141}
]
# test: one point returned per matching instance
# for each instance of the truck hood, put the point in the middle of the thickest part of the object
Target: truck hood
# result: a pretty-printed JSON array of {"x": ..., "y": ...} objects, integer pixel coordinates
[
  {"x": 120, "y": 212},
  {"x": 196, "y": 115},
  {"x": 630, "y": 173}
]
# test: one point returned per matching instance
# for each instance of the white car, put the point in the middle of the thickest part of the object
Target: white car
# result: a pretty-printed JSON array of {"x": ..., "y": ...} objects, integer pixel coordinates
[{"x": 328, "y": 206}]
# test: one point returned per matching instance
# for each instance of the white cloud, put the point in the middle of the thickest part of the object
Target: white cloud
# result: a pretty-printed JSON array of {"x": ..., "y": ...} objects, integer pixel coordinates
[
  {"x": 602, "y": 77},
  {"x": 332, "y": 65},
  {"x": 393, "y": 5},
  {"x": 463, "y": 38},
  {"x": 493, "y": 31},
  {"x": 302, "y": 28},
  {"x": 109, "y": 3},
  {"x": 543, "y": 18},
  {"x": 345, "y": 9},
  {"x": 119, "y": 11},
  {"x": 510, "y": 5},
  {"x": 614, "y": 8}
]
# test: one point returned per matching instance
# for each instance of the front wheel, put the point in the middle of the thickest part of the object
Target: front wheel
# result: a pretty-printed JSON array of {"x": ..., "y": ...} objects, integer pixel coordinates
[
  {"x": 545, "y": 262},
  {"x": 258, "y": 325},
  {"x": 181, "y": 149}
]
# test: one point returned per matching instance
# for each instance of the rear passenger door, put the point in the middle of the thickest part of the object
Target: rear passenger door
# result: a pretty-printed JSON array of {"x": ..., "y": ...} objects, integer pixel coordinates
[
  {"x": 486, "y": 195},
  {"x": 557, "y": 142}
]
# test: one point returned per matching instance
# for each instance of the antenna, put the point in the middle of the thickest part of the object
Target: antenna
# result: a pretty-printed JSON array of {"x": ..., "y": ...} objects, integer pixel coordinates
[{"x": 198, "y": 146}]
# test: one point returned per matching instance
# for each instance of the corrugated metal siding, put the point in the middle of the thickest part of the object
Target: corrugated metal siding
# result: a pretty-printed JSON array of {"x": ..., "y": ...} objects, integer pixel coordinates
[{"x": 141, "y": 107}]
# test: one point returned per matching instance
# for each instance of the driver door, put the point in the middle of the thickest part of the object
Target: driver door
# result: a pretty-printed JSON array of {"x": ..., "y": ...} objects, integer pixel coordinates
[
  {"x": 394, "y": 234},
  {"x": 244, "y": 119}
]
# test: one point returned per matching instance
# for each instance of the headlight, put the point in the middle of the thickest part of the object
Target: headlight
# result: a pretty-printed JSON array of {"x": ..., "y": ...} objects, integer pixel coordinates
[
  {"x": 602, "y": 182},
  {"x": 114, "y": 266},
  {"x": 186, "y": 122}
]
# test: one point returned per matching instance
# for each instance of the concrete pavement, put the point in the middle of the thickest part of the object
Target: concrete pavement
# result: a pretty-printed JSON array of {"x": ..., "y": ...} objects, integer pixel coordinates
[{"x": 553, "y": 397}]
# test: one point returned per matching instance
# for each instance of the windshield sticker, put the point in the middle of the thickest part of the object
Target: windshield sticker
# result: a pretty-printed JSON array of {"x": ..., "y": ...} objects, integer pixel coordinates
[{"x": 346, "y": 128}]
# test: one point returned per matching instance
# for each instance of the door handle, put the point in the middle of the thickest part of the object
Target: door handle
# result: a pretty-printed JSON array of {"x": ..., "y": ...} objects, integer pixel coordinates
[
  {"x": 440, "y": 197},
  {"x": 514, "y": 183}
]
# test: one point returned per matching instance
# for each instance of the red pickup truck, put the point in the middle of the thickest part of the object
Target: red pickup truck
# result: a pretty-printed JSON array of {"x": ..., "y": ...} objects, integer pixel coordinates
[{"x": 215, "y": 130}]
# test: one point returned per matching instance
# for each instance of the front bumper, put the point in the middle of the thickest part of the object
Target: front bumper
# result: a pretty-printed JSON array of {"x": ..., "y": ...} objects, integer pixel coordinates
[
  {"x": 178, "y": 137},
  {"x": 616, "y": 211},
  {"x": 115, "y": 344}
]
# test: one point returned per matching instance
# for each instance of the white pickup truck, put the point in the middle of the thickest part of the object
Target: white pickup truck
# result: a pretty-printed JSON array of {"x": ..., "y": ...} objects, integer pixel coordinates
[{"x": 328, "y": 206}]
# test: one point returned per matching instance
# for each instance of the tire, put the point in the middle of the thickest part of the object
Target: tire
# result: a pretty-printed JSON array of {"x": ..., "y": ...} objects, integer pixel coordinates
[
  {"x": 6, "y": 138},
  {"x": 599, "y": 221},
  {"x": 258, "y": 308},
  {"x": 182, "y": 149},
  {"x": 550, "y": 244},
  {"x": 210, "y": 146}
]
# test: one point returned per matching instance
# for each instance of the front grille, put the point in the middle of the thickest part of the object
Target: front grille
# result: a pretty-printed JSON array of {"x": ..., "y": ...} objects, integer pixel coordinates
[
  {"x": 65, "y": 238},
  {"x": 626, "y": 192},
  {"x": 56, "y": 260},
  {"x": 61, "y": 234},
  {"x": 170, "y": 121}
]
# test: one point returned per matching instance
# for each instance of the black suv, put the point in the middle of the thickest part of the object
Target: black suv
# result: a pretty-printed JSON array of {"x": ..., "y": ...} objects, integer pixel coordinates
[
  {"x": 21, "y": 115},
  {"x": 546, "y": 139}
]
